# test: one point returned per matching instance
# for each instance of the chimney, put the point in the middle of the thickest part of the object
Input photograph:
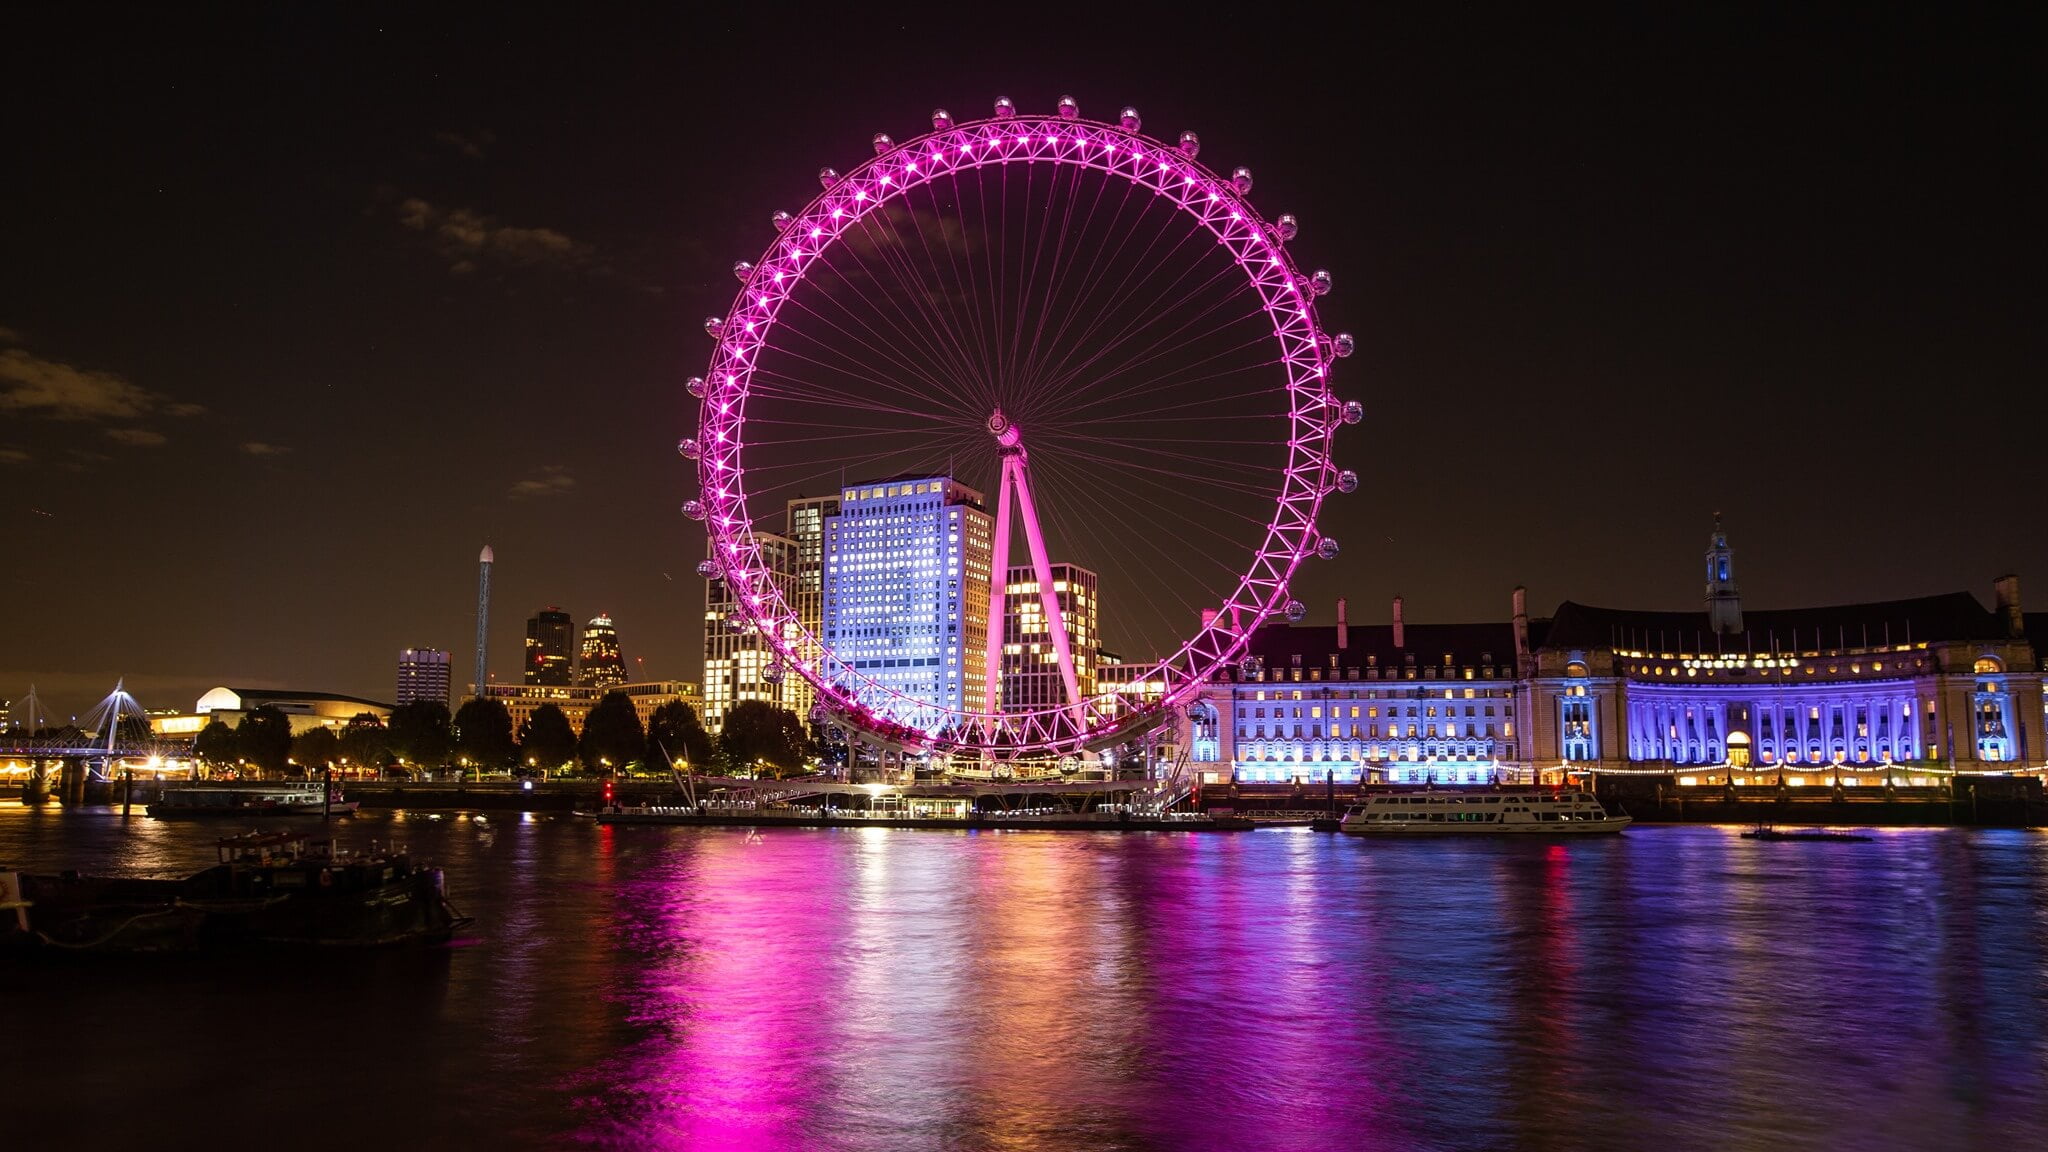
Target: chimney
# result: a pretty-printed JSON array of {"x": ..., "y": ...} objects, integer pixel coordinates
[
  {"x": 2007, "y": 591},
  {"x": 1343, "y": 627},
  {"x": 1400, "y": 633},
  {"x": 1521, "y": 623}
]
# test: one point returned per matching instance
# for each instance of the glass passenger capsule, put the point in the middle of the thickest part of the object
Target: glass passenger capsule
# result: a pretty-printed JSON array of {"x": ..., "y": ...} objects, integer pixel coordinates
[{"x": 1069, "y": 108}]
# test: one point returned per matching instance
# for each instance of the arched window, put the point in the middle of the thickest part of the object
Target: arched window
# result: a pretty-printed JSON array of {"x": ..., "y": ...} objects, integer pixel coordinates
[
  {"x": 1575, "y": 668},
  {"x": 1988, "y": 664}
]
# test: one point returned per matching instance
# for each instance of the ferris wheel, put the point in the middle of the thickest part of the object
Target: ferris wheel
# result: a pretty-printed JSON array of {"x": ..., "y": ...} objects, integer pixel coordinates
[{"x": 1087, "y": 320}]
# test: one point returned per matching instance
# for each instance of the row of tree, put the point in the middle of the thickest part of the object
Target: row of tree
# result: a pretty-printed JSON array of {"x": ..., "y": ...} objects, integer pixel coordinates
[{"x": 757, "y": 736}]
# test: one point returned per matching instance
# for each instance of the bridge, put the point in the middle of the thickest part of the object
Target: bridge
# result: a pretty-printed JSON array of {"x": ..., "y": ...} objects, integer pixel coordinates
[{"x": 114, "y": 735}]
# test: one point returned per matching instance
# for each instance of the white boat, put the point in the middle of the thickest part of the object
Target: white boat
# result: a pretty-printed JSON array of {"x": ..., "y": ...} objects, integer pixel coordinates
[
  {"x": 249, "y": 798},
  {"x": 1539, "y": 811}
]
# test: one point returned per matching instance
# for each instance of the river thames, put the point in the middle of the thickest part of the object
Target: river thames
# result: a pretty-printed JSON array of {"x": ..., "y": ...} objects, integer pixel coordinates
[{"x": 1671, "y": 988}]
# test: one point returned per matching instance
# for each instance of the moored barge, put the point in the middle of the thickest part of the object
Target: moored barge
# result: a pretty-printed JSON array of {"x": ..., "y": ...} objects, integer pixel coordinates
[{"x": 277, "y": 890}]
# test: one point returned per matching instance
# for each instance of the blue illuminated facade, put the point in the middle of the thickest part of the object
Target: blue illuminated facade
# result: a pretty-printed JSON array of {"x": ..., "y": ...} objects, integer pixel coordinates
[
  {"x": 905, "y": 587},
  {"x": 1379, "y": 703},
  {"x": 1875, "y": 692}
]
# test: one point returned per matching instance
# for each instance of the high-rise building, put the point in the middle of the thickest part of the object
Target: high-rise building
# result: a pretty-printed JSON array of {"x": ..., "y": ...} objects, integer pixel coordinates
[
  {"x": 550, "y": 648},
  {"x": 484, "y": 560},
  {"x": 422, "y": 675},
  {"x": 906, "y": 592},
  {"x": 602, "y": 666},
  {"x": 1031, "y": 669},
  {"x": 739, "y": 663},
  {"x": 806, "y": 528}
]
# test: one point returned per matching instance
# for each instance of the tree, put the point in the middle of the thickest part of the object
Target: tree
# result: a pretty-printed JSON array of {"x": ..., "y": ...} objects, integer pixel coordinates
[
  {"x": 757, "y": 733},
  {"x": 217, "y": 743},
  {"x": 483, "y": 733},
  {"x": 366, "y": 744},
  {"x": 315, "y": 749},
  {"x": 675, "y": 733},
  {"x": 612, "y": 737},
  {"x": 419, "y": 732},
  {"x": 265, "y": 738},
  {"x": 546, "y": 740}
]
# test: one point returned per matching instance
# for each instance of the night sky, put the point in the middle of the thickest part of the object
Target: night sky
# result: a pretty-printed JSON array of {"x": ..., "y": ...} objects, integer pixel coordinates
[{"x": 300, "y": 308}]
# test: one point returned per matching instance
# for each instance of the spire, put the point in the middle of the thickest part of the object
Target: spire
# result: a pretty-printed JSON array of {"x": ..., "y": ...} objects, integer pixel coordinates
[{"x": 1724, "y": 602}]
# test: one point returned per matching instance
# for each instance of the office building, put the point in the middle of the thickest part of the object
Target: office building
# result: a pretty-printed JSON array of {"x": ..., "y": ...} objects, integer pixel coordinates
[
  {"x": 576, "y": 700},
  {"x": 422, "y": 675},
  {"x": 602, "y": 666},
  {"x": 739, "y": 663},
  {"x": 906, "y": 595},
  {"x": 1032, "y": 680},
  {"x": 550, "y": 648}
]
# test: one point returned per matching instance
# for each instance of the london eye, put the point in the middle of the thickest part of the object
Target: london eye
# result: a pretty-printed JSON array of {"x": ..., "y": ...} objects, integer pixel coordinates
[{"x": 1088, "y": 342}]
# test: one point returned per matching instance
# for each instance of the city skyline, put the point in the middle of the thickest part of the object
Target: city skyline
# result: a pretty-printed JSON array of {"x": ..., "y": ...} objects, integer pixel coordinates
[{"x": 451, "y": 278}]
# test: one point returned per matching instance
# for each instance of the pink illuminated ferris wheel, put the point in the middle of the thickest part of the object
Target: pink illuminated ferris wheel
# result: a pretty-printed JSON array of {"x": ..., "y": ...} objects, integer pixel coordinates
[{"x": 1045, "y": 315}]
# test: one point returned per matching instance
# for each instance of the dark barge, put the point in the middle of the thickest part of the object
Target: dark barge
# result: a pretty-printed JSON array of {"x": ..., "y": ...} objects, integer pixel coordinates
[{"x": 268, "y": 891}]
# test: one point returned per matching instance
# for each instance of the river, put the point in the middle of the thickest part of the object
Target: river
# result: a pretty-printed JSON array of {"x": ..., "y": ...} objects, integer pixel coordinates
[{"x": 1670, "y": 988}]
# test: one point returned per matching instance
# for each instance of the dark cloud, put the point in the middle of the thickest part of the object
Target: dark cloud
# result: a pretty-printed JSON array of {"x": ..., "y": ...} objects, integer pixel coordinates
[
  {"x": 549, "y": 480},
  {"x": 469, "y": 239},
  {"x": 468, "y": 145},
  {"x": 36, "y": 386},
  {"x": 136, "y": 437}
]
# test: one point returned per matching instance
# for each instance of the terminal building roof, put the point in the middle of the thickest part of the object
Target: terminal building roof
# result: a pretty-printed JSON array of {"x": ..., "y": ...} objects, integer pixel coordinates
[
  {"x": 1950, "y": 617},
  {"x": 1365, "y": 645}
]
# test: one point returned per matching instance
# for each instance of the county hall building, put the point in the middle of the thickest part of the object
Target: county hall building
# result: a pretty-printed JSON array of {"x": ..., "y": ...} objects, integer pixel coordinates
[{"x": 1899, "y": 691}]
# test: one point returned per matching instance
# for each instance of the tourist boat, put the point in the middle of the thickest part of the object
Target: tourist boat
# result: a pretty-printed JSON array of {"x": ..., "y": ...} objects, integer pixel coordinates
[
  {"x": 1536, "y": 810},
  {"x": 250, "y": 798},
  {"x": 276, "y": 890}
]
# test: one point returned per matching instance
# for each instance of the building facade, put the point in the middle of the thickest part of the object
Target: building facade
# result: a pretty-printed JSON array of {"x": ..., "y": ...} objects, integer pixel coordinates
[
  {"x": 422, "y": 675},
  {"x": 305, "y": 710},
  {"x": 906, "y": 595},
  {"x": 739, "y": 663},
  {"x": 551, "y": 648},
  {"x": 576, "y": 700},
  {"x": 1031, "y": 672},
  {"x": 602, "y": 666},
  {"x": 1899, "y": 691},
  {"x": 1393, "y": 703}
]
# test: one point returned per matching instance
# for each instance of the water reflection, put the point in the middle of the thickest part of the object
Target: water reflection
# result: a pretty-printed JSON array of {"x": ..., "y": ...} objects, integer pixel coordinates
[{"x": 878, "y": 989}]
